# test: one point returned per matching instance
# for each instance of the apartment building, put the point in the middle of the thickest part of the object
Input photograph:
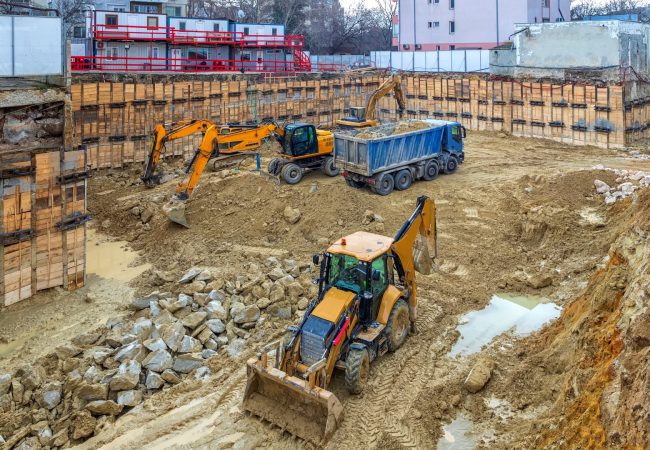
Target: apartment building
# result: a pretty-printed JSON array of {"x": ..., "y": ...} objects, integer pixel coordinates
[
  {"x": 468, "y": 24},
  {"x": 177, "y": 8}
]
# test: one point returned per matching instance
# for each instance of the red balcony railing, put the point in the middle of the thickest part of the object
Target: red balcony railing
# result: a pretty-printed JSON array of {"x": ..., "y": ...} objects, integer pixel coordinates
[
  {"x": 193, "y": 37},
  {"x": 130, "y": 33},
  {"x": 139, "y": 64}
]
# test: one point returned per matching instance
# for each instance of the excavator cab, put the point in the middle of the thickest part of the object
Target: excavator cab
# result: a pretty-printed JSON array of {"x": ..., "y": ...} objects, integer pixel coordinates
[
  {"x": 366, "y": 116},
  {"x": 299, "y": 139}
]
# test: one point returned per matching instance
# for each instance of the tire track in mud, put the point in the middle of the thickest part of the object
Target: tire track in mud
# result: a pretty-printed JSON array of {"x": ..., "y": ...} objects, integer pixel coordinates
[{"x": 376, "y": 418}]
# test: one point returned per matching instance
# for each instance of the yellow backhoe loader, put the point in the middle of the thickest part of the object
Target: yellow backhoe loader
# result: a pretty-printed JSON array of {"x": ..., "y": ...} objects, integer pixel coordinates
[
  {"x": 366, "y": 305},
  {"x": 303, "y": 148},
  {"x": 366, "y": 116}
]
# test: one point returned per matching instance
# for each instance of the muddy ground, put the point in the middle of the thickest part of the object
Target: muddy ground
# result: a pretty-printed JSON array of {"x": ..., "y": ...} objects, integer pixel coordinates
[{"x": 520, "y": 216}]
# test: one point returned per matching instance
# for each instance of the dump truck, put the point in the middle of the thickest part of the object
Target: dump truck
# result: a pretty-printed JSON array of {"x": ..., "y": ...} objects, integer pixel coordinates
[
  {"x": 383, "y": 160},
  {"x": 366, "y": 306}
]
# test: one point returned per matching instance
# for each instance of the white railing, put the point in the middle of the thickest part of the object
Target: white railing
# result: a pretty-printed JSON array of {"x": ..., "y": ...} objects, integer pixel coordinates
[
  {"x": 30, "y": 46},
  {"x": 435, "y": 61}
]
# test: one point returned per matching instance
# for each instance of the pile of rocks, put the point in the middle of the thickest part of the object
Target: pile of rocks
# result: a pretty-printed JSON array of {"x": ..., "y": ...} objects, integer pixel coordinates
[
  {"x": 627, "y": 181},
  {"x": 167, "y": 337}
]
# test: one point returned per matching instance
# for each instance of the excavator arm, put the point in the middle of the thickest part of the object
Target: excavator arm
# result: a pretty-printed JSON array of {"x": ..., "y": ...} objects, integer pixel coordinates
[
  {"x": 393, "y": 83},
  {"x": 160, "y": 136},
  {"x": 418, "y": 231}
]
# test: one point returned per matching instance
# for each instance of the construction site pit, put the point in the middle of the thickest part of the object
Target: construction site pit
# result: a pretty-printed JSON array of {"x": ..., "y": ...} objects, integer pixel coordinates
[{"x": 532, "y": 332}]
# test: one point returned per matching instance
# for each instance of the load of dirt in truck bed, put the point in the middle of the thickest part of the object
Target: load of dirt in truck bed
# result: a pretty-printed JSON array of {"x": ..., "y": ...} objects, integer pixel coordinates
[{"x": 393, "y": 129}]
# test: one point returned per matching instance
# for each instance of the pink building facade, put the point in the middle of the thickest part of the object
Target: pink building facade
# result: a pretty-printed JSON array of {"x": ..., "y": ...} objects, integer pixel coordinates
[{"x": 468, "y": 24}]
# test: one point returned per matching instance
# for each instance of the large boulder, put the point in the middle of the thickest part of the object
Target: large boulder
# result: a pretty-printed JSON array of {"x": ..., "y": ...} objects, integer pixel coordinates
[
  {"x": 50, "y": 395},
  {"x": 134, "y": 350},
  {"x": 216, "y": 310},
  {"x": 174, "y": 305},
  {"x": 244, "y": 313},
  {"x": 141, "y": 303},
  {"x": 129, "y": 398},
  {"x": 92, "y": 391},
  {"x": 216, "y": 326},
  {"x": 31, "y": 377},
  {"x": 190, "y": 345},
  {"x": 158, "y": 361},
  {"x": 194, "y": 319},
  {"x": 83, "y": 425},
  {"x": 187, "y": 363},
  {"x": 127, "y": 376},
  {"x": 170, "y": 377},
  {"x": 478, "y": 377},
  {"x": 291, "y": 215},
  {"x": 190, "y": 275},
  {"x": 155, "y": 344},
  {"x": 172, "y": 334}
]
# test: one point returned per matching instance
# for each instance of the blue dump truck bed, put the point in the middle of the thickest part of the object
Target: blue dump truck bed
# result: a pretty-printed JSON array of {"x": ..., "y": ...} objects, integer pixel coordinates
[{"x": 426, "y": 146}]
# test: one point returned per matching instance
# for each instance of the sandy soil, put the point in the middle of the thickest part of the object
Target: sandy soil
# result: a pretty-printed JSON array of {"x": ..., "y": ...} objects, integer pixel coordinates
[{"x": 516, "y": 209}]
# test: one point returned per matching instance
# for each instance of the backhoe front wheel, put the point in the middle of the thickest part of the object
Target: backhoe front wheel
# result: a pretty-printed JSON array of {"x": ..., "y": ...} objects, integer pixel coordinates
[
  {"x": 275, "y": 166},
  {"x": 357, "y": 368},
  {"x": 291, "y": 173},
  {"x": 397, "y": 328},
  {"x": 329, "y": 168}
]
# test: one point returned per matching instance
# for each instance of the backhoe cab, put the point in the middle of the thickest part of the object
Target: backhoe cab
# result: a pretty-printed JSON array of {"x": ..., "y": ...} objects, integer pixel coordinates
[
  {"x": 304, "y": 148},
  {"x": 366, "y": 305}
]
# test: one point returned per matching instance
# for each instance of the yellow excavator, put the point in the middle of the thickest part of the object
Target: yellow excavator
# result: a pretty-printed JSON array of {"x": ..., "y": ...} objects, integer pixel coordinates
[
  {"x": 303, "y": 148},
  {"x": 366, "y": 306},
  {"x": 366, "y": 116}
]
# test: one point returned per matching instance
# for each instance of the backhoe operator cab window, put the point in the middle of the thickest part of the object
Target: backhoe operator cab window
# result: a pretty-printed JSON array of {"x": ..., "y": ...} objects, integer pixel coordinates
[
  {"x": 379, "y": 282},
  {"x": 347, "y": 273},
  {"x": 302, "y": 140}
]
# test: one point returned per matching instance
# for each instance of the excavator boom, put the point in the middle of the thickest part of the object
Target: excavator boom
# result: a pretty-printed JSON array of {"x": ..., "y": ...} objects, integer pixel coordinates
[{"x": 367, "y": 117}]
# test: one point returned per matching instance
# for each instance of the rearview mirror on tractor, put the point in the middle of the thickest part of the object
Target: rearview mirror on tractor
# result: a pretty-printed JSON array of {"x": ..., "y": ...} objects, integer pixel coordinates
[
  {"x": 315, "y": 259},
  {"x": 376, "y": 275}
]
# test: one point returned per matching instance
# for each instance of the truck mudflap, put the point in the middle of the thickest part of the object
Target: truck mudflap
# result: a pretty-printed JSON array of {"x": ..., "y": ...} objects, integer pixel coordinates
[{"x": 309, "y": 412}]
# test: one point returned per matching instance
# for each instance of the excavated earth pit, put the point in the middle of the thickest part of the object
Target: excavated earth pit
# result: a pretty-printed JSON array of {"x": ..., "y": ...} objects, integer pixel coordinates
[{"x": 520, "y": 216}]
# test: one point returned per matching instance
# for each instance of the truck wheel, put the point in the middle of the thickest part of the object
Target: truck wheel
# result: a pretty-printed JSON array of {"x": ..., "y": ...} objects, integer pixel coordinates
[
  {"x": 275, "y": 167},
  {"x": 329, "y": 168},
  {"x": 357, "y": 367},
  {"x": 431, "y": 170},
  {"x": 355, "y": 184},
  {"x": 397, "y": 327},
  {"x": 291, "y": 173},
  {"x": 452, "y": 164},
  {"x": 384, "y": 184},
  {"x": 403, "y": 180}
]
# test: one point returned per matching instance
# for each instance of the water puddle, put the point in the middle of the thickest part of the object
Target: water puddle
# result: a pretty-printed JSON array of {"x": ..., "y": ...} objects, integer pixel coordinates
[
  {"x": 111, "y": 259},
  {"x": 457, "y": 435},
  {"x": 524, "y": 314}
]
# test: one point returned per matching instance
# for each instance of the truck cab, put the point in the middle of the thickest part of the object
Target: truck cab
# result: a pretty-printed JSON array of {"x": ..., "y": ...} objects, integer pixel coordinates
[{"x": 452, "y": 139}]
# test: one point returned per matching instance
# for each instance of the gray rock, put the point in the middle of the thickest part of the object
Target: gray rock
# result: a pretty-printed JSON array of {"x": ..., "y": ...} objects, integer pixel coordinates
[
  {"x": 205, "y": 334},
  {"x": 276, "y": 273},
  {"x": 277, "y": 293},
  {"x": 217, "y": 296},
  {"x": 172, "y": 334},
  {"x": 154, "y": 308},
  {"x": 67, "y": 351},
  {"x": 134, "y": 350},
  {"x": 155, "y": 344},
  {"x": 158, "y": 361},
  {"x": 202, "y": 374},
  {"x": 170, "y": 377},
  {"x": 163, "y": 318},
  {"x": 236, "y": 347},
  {"x": 190, "y": 275},
  {"x": 139, "y": 304},
  {"x": 222, "y": 340},
  {"x": 92, "y": 374},
  {"x": 127, "y": 376},
  {"x": 245, "y": 314},
  {"x": 5, "y": 383},
  {"x": 173, "y": 306},
  {"x": 211, "y": 344},
  {"x": 205, "y": 275},
  {"x": 50, "y": 395},
  {"x": 194, "y": 286},
  {"x": 31, "y": 376},
  {"x": 187, "y": 363},
  {"x": 216, "y": 310},
  {"x": 216, "y": 326},
  {"x": 92, "y": 391},
  {"x": 100, "y": 354},
  {"x": 190, "y": 345},
  {"x": 142, "y": 328},
  {"x": 129, "y": 398},
  {"x": 302, "y": 304},
  {"x": 201, "y": 298},
  {"x": 17, "y": 131},
  {"x": 17, "y": 390},
  {"x": 154, "y": 380},
  {"x": 195, "y": 319},
  {"x": 263, "y": 303},
  {"x": 295, "y": 290},
  {"x": 104, "y": 407},
  {"x": 208, "y": 353}
]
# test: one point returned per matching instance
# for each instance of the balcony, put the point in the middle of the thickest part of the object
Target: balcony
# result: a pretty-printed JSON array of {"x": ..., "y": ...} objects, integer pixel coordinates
[
  {"x": 190, "y": 37},
  {"x": 129, "y": 33}
]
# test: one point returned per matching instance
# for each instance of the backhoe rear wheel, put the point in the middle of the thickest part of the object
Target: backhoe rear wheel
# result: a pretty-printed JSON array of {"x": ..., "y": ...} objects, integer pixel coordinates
[
  {"x": 291, "y": 173},
  {"x": 397, "y": 327},
  {"x": 357, "y": 368},
  {"x": 329, "y": 168}
]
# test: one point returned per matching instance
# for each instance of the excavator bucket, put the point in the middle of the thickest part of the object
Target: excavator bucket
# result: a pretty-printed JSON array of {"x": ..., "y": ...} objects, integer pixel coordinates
[
  {"x": 175, "y": 211},
  {"x": 311, "y": 413}
]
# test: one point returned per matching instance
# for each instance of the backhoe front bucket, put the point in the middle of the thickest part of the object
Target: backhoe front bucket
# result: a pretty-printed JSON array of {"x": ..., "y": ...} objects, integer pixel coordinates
[
  {"x": 175, "y": 211},
  {"x": 311, "y": 413}
]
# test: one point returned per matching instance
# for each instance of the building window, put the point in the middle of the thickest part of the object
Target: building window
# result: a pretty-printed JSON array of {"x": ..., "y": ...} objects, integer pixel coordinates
[
  {"x": 152, "y": 22},
  {"x": 452, "y": 47},
  {"x": 436, "y": 24},
  {"x": 452, "y": 4},
  {"x": 430, "y": 24},
  {"x": 79, "y": 32},
  {"x": 111, "y": 20},
  {"x": 111, "y": 53},
  {"x": 274, "y": 31},
  {"x": 215, "y": 27},
  {"x": 182, "y": 26},
  {"x": 246, "y": 31},
  {"x": 452, "y": 27},
  {"x": 153, "y": 52},
  {"x": 173, "y": 11},
  {"x": 146, "y": 9}
]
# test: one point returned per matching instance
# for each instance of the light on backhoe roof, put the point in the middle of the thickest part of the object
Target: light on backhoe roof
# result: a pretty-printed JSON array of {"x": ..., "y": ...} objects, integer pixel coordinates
[{"x": 343, "y": 241}]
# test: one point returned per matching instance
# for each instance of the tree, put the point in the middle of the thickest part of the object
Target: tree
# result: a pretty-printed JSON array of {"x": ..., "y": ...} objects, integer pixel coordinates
[{"x": 387, "y": 9}]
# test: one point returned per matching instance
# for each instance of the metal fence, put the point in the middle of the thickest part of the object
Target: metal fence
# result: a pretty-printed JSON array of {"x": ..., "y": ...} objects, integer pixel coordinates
[
  {"x": 340, "y": 60},
  {"x": 30, "y": 46},
  {"x": 436, "y": 61}
]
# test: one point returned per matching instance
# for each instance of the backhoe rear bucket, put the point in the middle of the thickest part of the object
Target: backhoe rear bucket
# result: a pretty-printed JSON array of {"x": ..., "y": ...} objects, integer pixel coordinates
[
  {"x": 423, "y": 255},
  {"x": 175, "y": 211},
  {"x": 311, "y": 413}
]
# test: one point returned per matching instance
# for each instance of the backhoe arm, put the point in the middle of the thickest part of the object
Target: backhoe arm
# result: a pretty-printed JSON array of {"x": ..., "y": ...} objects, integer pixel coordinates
[
  {"x": 161, "y": 136},
  {"x": 393, "y": 83},
  {"x": 422, "y": 223}
]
